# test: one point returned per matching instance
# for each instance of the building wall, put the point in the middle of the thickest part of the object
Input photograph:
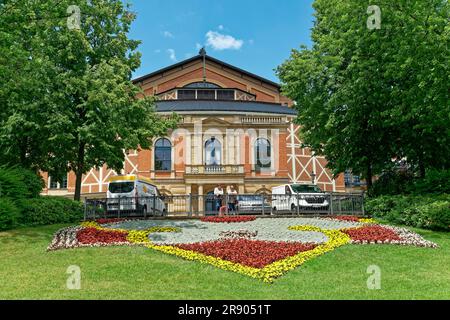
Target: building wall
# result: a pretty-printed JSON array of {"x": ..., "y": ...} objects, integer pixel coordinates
[{"x": 291, "y": 163}]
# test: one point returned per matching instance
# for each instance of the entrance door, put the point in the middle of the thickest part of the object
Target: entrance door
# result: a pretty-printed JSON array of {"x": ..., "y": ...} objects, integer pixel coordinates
[{"x": 210, "y": 204}]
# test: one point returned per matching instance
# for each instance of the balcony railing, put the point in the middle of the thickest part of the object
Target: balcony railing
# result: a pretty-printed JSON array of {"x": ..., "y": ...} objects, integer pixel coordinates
[{"x": 214, "y": 169}]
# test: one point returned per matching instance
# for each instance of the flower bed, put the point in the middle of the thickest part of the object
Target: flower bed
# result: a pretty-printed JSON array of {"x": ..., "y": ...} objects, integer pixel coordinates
[
  {"x": 372, "y": 234},
  {"x": 265, "y": 249},
  {"x": 240, "y": 234},
  {"x": 228, "y": 219},
  {"x": 108, "y": 221},
  {"x": 93, "y": 235},
  {"x": 346, "y": 218},
  {"x": 256, "y": 254}
]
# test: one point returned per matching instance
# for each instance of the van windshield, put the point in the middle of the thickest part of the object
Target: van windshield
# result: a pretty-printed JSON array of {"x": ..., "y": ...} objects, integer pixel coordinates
[
  {"x": 306, "y": 188},
  {"x": 121, "y": 187}
]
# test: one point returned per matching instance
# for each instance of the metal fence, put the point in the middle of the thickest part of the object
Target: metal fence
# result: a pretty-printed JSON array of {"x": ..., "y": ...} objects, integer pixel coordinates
[{"x": 204, "y": 205}]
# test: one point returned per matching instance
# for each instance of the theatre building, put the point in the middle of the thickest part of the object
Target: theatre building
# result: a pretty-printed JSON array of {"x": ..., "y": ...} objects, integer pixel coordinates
[{"x": 235, "y": 129}]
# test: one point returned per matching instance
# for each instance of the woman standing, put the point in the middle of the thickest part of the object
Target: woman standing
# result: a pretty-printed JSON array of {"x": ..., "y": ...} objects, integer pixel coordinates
[{"x": 232, "y": 200}]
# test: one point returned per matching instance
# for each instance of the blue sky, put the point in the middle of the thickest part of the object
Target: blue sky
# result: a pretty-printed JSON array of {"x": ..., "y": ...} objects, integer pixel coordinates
[{"x": 255, "y": 35}]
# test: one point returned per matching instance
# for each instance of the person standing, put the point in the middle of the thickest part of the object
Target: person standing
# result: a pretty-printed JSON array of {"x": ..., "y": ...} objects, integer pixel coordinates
[
  {"x": 218, "y": 196},
  {"x": 232, "y": 200}
]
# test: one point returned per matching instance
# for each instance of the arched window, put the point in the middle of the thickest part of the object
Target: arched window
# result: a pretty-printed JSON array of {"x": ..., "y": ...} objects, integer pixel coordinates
[
  {"x": 202, "y": 85},
  {"x": 213, "y": 152},
  {"x": 163, "y": 155},
  {"x": 263, "y": 154}
]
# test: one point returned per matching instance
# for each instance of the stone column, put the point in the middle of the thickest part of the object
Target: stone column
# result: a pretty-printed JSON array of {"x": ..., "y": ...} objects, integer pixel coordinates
[{"x": 201, "y": 199}]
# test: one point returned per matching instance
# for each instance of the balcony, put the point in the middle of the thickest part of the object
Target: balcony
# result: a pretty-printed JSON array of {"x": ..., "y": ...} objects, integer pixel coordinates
[{"x": 214, "y": 170}]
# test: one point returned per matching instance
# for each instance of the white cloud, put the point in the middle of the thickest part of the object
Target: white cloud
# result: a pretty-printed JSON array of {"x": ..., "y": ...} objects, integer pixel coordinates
[
  {"x": 221, "y": 27},
  {"x": 220, "y": 41},
  {"x": 172, "y": 55},
  {"x": 168, "y": 34}
]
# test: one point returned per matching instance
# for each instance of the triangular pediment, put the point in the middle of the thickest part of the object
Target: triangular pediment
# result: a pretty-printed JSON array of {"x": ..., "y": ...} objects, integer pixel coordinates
[{"x": 215, "y": 121}]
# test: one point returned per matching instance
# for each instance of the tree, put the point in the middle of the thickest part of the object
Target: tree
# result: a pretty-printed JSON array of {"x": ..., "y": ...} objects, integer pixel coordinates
[
  {"x": 92, "y": 111},
  {"x": 26, "y": 91},
  {"x": 349, "y": 92}
]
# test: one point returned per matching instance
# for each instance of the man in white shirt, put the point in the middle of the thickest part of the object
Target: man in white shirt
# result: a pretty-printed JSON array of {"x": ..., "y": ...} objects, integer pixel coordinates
[{"x": 218, "y": 195}]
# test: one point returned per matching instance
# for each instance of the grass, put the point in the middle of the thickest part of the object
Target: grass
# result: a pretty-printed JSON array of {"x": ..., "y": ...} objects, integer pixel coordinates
[{"x": 27, "y": 271}]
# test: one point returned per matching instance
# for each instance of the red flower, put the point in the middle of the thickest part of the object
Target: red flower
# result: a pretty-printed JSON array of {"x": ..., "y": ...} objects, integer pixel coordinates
[
  {"x": 105, "y": 221},
  {"x": 93, "y": 235},
  {"x": 228, "y": 219},
  {"x": 252, "y": 253},
  {"x": 347, "y": 218},
  {"x": 372, "y": 234}
]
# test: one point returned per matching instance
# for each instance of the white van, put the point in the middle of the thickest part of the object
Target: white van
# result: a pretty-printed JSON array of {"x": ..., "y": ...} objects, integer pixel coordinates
[
  {"x": 134, "y": 194},
  {"x": 308, "y": 197}
]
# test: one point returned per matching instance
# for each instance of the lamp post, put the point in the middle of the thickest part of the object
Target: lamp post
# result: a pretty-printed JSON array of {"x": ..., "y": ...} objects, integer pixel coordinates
[{"x": 313, "y": 177}]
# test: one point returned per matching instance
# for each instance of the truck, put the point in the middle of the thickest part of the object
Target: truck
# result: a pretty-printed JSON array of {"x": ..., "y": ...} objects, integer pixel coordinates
[
  {"x": 136, "y": 194},
  {"x": 299, "y": 198}
]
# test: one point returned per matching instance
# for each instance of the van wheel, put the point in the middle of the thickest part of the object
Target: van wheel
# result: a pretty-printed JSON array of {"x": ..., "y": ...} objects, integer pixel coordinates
[
  {"x": 274, "y": 210},
  {"x": 144, "y": 209},
  {"x": 293, "y": 207},
  {"x": 164, "y": 213}
]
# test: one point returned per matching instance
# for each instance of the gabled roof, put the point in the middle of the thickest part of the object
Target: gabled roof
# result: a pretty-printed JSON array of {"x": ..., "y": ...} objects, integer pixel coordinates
[{"x": 208, "y": 58}]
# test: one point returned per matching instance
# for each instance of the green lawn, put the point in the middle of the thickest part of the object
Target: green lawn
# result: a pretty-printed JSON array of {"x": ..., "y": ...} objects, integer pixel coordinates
[{"x": 27, "y": 271}]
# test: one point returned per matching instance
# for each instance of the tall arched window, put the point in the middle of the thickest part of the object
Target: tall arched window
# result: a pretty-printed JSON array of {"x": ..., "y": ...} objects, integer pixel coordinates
[
  {"x": 163, "y": 155},
  {"x": 213, "y": 152},
  {"x": 263, "y": 154}
]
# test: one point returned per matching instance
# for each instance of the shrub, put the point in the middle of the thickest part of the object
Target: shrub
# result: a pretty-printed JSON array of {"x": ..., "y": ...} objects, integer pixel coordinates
[
  {"x": 50, "y": 210},
  {"x": 435, "y": 182},
  {"x": 391, "y": 182},
  {"x": 403, "y": 182},
  {"x": 18, "y": 183},
  {"x": 8, "y": 214},
  {"x": 430, "y": 212},
  {"x": 33, "y": 181}
]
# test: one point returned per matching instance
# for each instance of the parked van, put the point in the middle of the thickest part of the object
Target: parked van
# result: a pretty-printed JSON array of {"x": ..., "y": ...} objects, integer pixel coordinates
[
  {"x": 134, "y": 194},
  {"x": 308, "y": 197}
]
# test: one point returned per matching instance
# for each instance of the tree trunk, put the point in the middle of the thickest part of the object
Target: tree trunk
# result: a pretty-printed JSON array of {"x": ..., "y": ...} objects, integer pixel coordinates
[
  {"x": 422, "y": 171},
  {"x": 79, "y": 172}
]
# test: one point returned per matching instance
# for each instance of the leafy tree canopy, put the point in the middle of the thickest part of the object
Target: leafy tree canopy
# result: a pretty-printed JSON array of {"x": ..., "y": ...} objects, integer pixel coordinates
[{"x": 366, "y": 96}]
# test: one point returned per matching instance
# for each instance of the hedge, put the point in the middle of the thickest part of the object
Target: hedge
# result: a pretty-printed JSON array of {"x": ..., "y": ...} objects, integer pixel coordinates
[
  {"x": 18, "y": 183},
  {"x": 428, "y": 212},
  {"x": 50, "y": 210},
  {"x": 9, "y": 214}
]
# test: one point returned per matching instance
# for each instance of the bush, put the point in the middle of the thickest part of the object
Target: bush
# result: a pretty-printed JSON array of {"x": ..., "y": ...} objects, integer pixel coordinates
[
  {"x": 8, "y": 214},
  {"x": 430, "y": 212},
  {"x": 403, "y": 182},
  {"x": 391, "y": 182},
  {"x": 18, "y": 183},
  {"x": 33, "y": 181},
  {"x": 50, "y": 210},
  {"x": 435, "y": 182}
]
